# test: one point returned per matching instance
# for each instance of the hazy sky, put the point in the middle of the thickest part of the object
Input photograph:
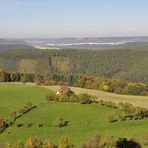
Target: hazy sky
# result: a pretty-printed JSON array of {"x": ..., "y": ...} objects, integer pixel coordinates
[{"x": 71, "y": 18}]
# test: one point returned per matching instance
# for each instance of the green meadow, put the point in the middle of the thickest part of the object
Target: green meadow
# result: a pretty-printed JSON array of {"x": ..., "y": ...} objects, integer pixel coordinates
[{"x": 84, "y": 120}]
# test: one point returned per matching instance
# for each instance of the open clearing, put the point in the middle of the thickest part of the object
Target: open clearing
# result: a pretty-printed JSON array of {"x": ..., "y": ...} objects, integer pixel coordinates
[{"x": 84, "y": 120}]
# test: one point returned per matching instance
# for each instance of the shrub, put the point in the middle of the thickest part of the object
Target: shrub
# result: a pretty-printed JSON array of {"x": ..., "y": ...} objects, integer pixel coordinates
[
  {"x": 74, "y": 98},
  {"x": 27, "y": 124},
  {"x": 110, "y": 142},
  {"x": 64, "y": 98},
  {"x": 110, "y": 104},
  {"x": 112, "y": 118},
  {"x": 94, "y": 99},
  {"x": 144, "y": 140},
  {"x": 140, "y": 113},
  {"x": 65, "y": 143},
  {"x": 40, "y": 124},
  {"x": 13, "y": 116},
  {"x": 134, "y": 89},
  {"x": 105, "y": 88},
  {"x": 3, "y": 125},
  {"x": 34, "y": 143},
  {"x": 94, "y": 142},
  {"x": 10, "y": 122},
  {"x": 49, "y": 144},
  {"x": 118, "y": 90},
  {"x": 26, "y": 108},
  {"x": 51, "y": 97},
  {"x": 125, "y": 143},
  {"x": 16, "y": 145},
  {"x": 19, "y": 124},
  {"x": 84, "y": 98},
  {"x": 107, "y": 103},
  {"x": 128, "y": 111},
  {"x": 60, "y": 122},
  {"x": 126, "y": 108},
  {"x": 101, "y": 102}
]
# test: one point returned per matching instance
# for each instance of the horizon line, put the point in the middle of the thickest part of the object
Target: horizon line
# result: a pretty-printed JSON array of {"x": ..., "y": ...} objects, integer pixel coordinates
[{"x": 130, "y": 36}]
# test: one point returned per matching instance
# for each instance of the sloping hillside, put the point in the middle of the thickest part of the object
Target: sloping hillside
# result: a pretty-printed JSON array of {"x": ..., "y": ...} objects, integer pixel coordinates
[
  {"x": 85, "y": 120},
  {"x": 135, "y": 100}
]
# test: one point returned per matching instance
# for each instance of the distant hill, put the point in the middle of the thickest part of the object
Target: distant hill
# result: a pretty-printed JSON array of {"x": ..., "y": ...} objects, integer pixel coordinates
[
  {"x": 76, "y": 43},
  {"x": 89, "y": 43},
  {"x": 6, "y": 44}
]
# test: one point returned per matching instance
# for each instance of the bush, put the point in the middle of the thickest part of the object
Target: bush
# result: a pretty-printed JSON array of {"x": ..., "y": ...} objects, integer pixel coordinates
[
  {"x": 94, "y": 99},
  {"x": 19, "y": 124},
  {"x": 10, "y": 122},
  {"x": 26, "y": 108},
  {"x": 107, "y": 103},
  {"x": 134, "y": 89},
  {"x": 111, "y": 119},
  {"x": 64, "y": 98},
  {"x": 51, "y": 97},
  {"x": 128, "y": 111},
  {"x": 65, "y": 143},
  {"x": 94, "y": 142},
  {"x": 118, "y": 90},
  {"x": 49, "y": 144},
  {"x": 125, "y": 143},
  {"x": 144, "y": 140},
  {"x": 40, "y": 124},
  {"x": 110, "y": 104},
  {"x": 126, "y": 108},
  {"x": 60, "y": 122},
  {"x": 13, "y": 116},
  {"x": 110, "y": 142},
  {"x": 74, "y": 98},
  {"x": 16, "y": 145},
  {"x": 27, "y": 124},
  {"x": 3, "y": 125},
  {"x": 27, "y": 78},
  {"x": 34, "y": 143},
  {"x": 84, "y": 98}
]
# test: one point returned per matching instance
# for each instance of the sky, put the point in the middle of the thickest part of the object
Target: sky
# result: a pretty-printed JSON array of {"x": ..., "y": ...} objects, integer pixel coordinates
[{"x": 73, "y": 18}]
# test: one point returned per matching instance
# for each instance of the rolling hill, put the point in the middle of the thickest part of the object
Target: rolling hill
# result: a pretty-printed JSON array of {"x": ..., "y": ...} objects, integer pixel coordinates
[
  {"x": 97, "y": 43},
  {"x": 7, "y": 44},
  {"x": 13, "y": 96}
]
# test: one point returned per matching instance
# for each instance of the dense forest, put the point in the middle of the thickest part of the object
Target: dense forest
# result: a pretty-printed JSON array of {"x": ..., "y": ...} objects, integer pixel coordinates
[{"x": 129, "y": 65}]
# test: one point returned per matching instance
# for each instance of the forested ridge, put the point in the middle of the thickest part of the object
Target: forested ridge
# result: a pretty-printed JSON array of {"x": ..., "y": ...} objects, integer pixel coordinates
[{"x": 130, "y": 65}]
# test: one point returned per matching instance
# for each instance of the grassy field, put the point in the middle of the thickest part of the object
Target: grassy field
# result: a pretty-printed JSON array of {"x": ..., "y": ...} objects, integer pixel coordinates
[
  {"x": 135, "y": 100},
  {"x": 84, "y": 120},
  {"x": 13, "y": 96}
]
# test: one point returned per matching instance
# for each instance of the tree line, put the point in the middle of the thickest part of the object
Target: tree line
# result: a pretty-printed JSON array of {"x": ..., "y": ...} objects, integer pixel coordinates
[
  {"x": 90, "y": 82},
  {"x": 95, "y": 141}
]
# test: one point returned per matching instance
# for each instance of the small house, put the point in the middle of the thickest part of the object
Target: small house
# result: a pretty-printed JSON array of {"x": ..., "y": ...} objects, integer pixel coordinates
[{"x": 63, "y": 91}]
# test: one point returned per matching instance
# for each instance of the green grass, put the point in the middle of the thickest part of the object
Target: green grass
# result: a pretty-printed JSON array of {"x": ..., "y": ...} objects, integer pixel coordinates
[
  {"x": 84, "y": 120},
  {"x": 13, "y": 96}
]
